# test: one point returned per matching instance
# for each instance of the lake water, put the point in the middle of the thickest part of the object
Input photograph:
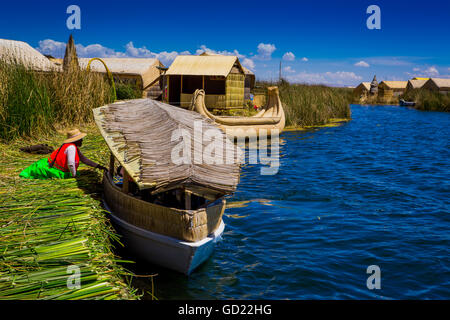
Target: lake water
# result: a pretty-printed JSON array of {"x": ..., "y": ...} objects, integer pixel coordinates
[{"x": 373, "y": 191}]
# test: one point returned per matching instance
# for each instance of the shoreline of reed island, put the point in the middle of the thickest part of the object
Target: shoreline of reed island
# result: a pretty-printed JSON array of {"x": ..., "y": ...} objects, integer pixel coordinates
[
  {"x": 425, "y": 100},
  {"x": 53, "y": 231}
]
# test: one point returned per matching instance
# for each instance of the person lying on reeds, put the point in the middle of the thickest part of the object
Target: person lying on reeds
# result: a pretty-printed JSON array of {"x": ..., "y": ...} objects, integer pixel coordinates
[{"x": 63, "y": 162}]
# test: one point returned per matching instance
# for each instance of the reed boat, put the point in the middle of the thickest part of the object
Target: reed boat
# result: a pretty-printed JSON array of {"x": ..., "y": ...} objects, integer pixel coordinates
[
  {"x": 169, "y": 212},
  {"x": 270, "y": 119}
]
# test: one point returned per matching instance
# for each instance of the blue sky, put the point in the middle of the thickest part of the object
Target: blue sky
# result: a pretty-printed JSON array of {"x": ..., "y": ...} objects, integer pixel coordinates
[{"x": 317, "y": 41}]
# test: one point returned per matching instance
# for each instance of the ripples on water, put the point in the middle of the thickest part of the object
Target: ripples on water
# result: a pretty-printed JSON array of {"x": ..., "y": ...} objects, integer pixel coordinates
[{"x": 372, "y": 191}]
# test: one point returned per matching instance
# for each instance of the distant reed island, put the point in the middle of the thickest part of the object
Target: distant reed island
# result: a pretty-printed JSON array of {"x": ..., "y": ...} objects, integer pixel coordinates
[{"x": 428, "y": 94}]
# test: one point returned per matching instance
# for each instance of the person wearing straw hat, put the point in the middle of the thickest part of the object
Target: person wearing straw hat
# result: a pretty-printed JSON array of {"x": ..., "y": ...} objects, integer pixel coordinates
[{"x": 63, "y": 162}]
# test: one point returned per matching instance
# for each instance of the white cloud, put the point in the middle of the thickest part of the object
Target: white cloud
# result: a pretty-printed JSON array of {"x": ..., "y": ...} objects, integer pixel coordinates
[
  {"x": 362, "y": 64},
  {"x": 288, "y": 69},
  {"x": 289, "y": 56},
  {"x": 265, "y": 51},
  {"x": 329, "y": 78},
  {"x": 432, "y": 71},
  {"x": 204, "y": 48},
  {"x": 246, "y": 62},
  {"x": 304, "y": 59},
  {"x": 57, "y": 49},
  {"x": 428, "y": 72}
]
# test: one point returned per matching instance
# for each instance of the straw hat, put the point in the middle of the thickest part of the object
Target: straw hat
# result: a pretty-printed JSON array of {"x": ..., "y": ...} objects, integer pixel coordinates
[{"x": 74, "y": 135}]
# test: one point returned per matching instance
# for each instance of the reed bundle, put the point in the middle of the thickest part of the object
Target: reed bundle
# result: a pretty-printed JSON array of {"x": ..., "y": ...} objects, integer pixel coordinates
[{"x": 49, "y": 225}]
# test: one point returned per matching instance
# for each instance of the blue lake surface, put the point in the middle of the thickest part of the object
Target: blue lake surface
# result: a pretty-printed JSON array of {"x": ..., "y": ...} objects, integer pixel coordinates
[{"x": 373, "y": 191}]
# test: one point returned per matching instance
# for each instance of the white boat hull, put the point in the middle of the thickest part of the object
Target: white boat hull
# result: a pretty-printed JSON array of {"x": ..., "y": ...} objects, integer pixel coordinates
[{"x": 166, "y": 251}]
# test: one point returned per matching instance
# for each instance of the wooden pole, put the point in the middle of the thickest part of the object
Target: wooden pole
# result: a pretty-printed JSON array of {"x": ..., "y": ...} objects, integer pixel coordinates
[
  {"x": 187, "y": 200},
  {"x": 126, "y": 183},
  {"x": 111, "y": 164},
  {"x": 168, "y": 88}
]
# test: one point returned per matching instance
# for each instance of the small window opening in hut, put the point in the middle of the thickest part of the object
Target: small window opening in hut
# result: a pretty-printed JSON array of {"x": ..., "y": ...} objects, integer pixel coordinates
[{"x": 215, "y": 85}]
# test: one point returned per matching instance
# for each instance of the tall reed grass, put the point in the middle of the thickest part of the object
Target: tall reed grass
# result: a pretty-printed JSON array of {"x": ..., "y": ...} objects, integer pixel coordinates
[
  {"x": 33, "y": 103},
  {"x": 310, "y": 105},
  {"x": 428, "y": 100}
]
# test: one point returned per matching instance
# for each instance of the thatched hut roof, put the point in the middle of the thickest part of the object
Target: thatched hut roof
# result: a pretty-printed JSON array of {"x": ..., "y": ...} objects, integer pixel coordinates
[
  {"x": 145, "y": 68},
  {"x": 248, "y": 73},
  {"x": 363, "y": 86},
  {"x": 206, "y": 65},
  {"x": 21, "y": 52},
  {"x": 437, "y": 84},
  {"x": 139, "y": 134},
  {"x": 394, "y": 85},
  {"x": 415, "y": 84}
]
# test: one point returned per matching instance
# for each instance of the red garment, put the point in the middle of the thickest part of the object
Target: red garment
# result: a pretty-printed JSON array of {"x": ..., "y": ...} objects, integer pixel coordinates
[{"x": 61, "y": 158}]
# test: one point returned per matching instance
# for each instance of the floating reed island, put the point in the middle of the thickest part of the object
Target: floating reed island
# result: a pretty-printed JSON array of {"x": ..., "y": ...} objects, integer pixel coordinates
[
  {"x": 52, "y": 230},
  {"x": 170, "y": 201}
]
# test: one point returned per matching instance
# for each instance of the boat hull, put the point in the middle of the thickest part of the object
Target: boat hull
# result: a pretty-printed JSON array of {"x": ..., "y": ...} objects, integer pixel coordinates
[{"x": 168, "y": 252}]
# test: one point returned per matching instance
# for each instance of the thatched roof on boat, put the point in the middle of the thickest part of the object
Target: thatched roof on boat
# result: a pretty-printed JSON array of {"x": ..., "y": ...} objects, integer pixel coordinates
[
  {"x": 144, "y": 68},
  {"x": 141, "y": 135},
  {"x": 23, "y": 53},
  {"x": 206, "y": 65}
]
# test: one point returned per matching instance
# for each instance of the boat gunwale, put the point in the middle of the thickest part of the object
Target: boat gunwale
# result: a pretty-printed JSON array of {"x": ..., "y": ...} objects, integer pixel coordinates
[{"x": 190, "y": 212}]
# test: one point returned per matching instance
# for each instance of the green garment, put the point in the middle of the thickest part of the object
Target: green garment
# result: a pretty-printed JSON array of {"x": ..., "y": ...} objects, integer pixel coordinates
[{"x": 41, "y": 170}]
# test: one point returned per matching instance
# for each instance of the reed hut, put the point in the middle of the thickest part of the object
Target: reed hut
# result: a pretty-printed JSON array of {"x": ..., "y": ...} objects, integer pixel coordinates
[
  {"x": 362, "y": 90},
  {"x": 436, "y": 84},
  {"x": 12, "y": 51},
  {"x": 249, "y": 84},
  {"x": 250, "y": 78},
  {"x": 222, "y": 78},
  {"x": 140, "y": 72},
  {"x": 414, "y": 84},
  {"x": 396, "y": 88}
]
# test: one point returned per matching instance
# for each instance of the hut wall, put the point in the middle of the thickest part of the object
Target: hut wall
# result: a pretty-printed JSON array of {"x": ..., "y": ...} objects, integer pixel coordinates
[
  {"x": 235, "y": 90},
  {"x": 153, "y": 92}
]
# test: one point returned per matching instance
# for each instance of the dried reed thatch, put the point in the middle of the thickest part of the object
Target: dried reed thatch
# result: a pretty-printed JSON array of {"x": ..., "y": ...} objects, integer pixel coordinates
[
  {"x": 70, "y": 61},
  {"x": 22, "y": 53},
  {"x": 139, "y": 134}
]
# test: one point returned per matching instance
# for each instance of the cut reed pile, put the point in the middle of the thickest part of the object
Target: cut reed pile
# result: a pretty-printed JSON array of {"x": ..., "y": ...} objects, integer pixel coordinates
[
  {"x": 312, "y": 105},
  {"x": 32, "y": 103},
  {"x": 49, "y": 225}
]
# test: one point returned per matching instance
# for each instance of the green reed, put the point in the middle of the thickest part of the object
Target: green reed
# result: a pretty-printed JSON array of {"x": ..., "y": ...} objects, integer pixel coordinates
[
  {"x": 49, "y": 225},
  {"x": 32, "y": 103},
  {"x": 428, "y": 100},
  {"x": 310, "y": 105}
]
